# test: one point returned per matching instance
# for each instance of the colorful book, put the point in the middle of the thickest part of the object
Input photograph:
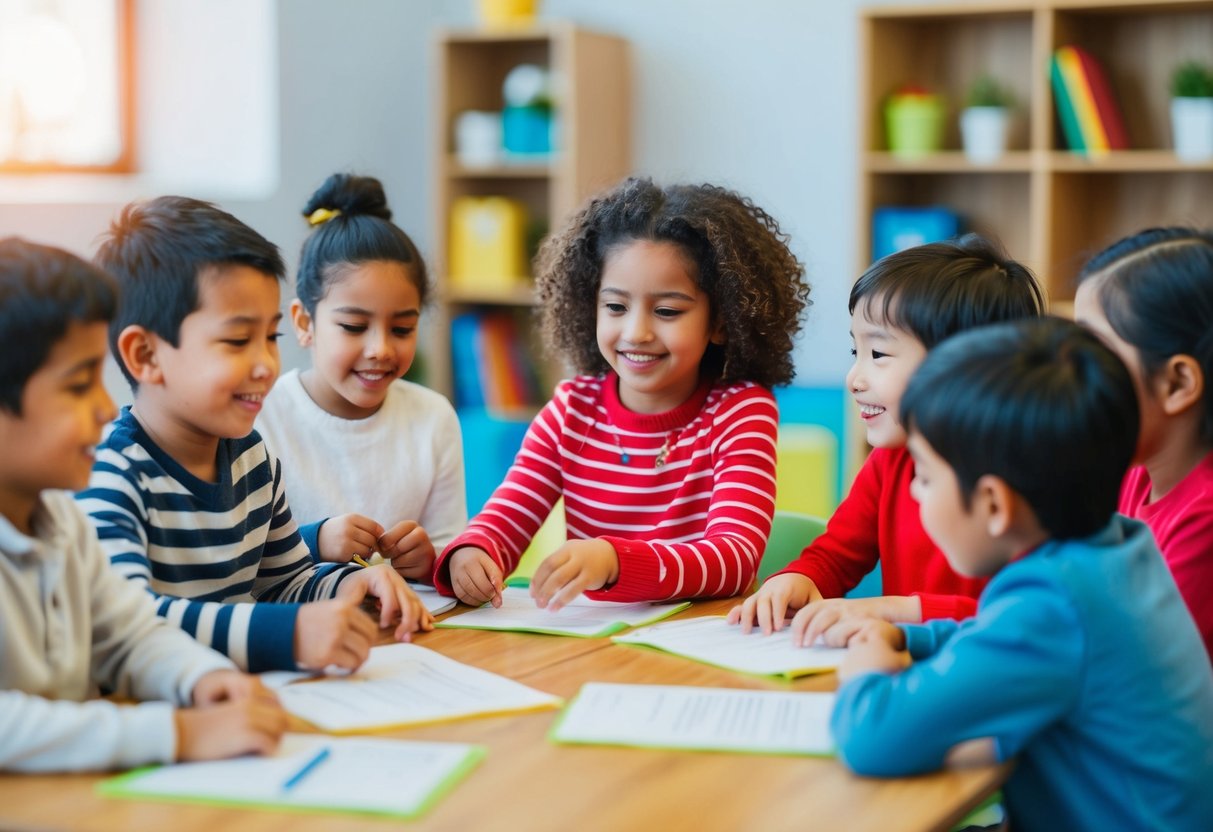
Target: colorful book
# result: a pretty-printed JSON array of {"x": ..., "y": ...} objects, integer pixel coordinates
[
  {"x": 699, "y": 719},
  {"x": 1109, "y": 112},
  {"x": 1093, "y": 135},
  {"x": 465, "y": 365},
  {"x": 1065, "y": 108},
  {"x": 582, "y": 617},
  {"x": 311, "y": 772}
]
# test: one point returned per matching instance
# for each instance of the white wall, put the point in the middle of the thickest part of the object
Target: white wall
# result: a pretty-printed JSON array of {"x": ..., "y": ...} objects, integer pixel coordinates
[{"x": 757, "y": 95}]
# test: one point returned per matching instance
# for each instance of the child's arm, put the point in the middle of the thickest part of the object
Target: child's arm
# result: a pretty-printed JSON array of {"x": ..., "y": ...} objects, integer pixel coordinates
[{"x": 985, "y": 680}]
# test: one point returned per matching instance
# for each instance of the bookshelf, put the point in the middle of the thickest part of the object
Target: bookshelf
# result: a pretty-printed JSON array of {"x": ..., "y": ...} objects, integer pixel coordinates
[
  {"x": 1052, "y": 208},
  {"x": 592, "y": 150}
]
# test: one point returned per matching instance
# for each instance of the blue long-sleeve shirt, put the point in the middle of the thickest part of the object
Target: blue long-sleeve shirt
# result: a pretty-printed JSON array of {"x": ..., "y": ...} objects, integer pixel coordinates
[
  {"x": 211, "y": 553},
  {"x": 1082, "y": 662}
]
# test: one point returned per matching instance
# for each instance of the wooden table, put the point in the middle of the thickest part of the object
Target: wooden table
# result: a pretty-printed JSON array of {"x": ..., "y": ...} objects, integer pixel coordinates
[{"x": 529, "y": 783}]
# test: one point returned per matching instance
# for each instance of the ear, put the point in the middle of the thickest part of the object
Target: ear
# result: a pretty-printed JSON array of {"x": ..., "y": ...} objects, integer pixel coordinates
[
  {"x": 718, "y": 336},
  {"x": 1180, "y": 384},
  {"x": 302, "y": 322},
  {"x": 137, "y": 349},
  {"x": 996, "y": 502}
]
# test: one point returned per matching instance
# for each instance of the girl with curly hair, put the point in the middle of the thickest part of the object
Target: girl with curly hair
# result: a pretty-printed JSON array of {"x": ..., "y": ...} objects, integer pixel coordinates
[{"x": 678, "y": 307}]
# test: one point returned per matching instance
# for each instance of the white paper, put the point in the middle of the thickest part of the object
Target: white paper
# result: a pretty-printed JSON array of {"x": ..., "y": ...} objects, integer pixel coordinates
[
  {"x": 709, "y": 639},
  {"x": 581, "y": 616},
  {"x": 402, "y": 684},
  {"x": 360, "y": 773},
  {"x": 428, "y": 595},
  {"x": 707, "y": 719}
]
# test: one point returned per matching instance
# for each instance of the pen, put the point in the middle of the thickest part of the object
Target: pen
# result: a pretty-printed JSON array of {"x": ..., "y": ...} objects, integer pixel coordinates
[
  {"x": 307, "y": 768},
  {"x": 358, "y": 559}
]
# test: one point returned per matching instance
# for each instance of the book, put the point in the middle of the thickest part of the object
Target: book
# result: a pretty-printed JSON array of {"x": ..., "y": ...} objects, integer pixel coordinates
[
  {"x": 465, "y": 365},
  {"x": 711, "y": 641},
  {"x": 582, "y": 617},
  {"x": 1093, "y": 135},
  {"x": 1109, "y": 112},
  {"x": 402, "y": 685},
  {"x": 310, "y": 772},
  {"x": 1065, "y": 108},
  {"x": 435, "y": 603},
  {"x": 698, "y": 719}
]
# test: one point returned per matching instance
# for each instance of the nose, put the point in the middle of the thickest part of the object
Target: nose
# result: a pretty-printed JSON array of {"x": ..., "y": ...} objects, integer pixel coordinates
[
  {"x": 376, "y": 344},
  {"x": 636, "y": 329},
  {"x": 105, "y": 411},
  {"x": 856, "y": 381},
  {"x": 265, "y": 363}
]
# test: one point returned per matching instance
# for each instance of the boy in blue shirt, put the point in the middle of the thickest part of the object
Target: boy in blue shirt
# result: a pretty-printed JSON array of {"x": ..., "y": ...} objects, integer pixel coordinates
[
  {"x": 1082, "y": 662},
  {"x": 68, "y": 623},
  {"x": 184, "y": 495}
]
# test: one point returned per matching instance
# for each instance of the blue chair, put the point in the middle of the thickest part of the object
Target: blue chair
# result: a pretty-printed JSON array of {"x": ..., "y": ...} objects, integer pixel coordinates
[{"x": 791, "y": 531}]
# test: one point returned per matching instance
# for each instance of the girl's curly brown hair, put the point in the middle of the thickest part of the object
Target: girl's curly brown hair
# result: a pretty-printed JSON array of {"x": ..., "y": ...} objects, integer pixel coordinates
[{"x": 755, "y": 284}]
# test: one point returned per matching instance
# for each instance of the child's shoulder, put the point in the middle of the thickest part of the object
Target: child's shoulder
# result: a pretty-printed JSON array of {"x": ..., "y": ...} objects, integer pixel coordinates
[{"x": 733, "y": 396}]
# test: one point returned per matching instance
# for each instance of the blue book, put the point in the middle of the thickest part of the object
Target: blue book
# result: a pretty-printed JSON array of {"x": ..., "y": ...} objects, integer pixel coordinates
[{"x": 466, "y": 332}]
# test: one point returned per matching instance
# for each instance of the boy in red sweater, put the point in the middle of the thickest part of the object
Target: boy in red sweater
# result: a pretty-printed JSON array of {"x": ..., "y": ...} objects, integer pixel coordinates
[{"x": 901, "y": 307}]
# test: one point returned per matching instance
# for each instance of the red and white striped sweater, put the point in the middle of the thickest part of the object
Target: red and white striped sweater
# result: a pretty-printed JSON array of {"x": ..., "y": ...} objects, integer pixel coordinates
[{"x": 695, "y": 526}]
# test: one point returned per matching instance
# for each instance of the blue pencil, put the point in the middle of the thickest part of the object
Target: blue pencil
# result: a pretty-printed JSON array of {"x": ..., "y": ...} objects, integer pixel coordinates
[{"x": 307, "y": 768}]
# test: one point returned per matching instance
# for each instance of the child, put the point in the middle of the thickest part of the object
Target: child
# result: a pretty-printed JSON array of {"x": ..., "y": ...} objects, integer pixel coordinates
[
  {"x": 678, "y": 305},
  {"x": 68, "y": 623},
  {"x": 392, "y": 449},
  {"x": 1150, "y": 297},
  {"x": 184, "y": 495},
  {"x": 901, "y": 307},
  {"x": 1080, "y": 661}
]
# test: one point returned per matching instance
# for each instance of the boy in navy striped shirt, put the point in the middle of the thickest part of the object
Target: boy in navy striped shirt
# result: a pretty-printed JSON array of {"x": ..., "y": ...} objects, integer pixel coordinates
[{"x": 184, "y": 495}]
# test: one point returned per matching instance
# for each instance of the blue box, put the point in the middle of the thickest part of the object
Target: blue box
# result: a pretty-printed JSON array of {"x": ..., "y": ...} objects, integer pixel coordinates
[
  {"x": 895, "y": 228},
  {"x": 526, "y": 130}
]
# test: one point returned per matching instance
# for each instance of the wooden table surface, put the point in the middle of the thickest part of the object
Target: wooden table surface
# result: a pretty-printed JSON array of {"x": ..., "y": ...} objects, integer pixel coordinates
[{"x": 528, "y": 783}]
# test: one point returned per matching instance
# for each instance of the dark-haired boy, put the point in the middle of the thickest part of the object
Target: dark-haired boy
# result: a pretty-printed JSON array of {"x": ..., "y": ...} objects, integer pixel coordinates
[
  {"x": 185, "y": 497},
  {"x": 1082, "y": 661},
  {"x": 68, "y": 623}
]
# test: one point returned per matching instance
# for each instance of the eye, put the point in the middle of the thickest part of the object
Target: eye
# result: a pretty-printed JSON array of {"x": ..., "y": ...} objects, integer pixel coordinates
[
  {"x": 877, "y": 354},
  {"x": 666, "y": 312},
  {"x": 403, "y": 331},
  {"x": 854, "y": 352},
  {"x": 614, "y": 308},
  {"x": 353, "y": 329},
  {"x": 236, "y": 342},
  {"x": 274, "y": 336}
]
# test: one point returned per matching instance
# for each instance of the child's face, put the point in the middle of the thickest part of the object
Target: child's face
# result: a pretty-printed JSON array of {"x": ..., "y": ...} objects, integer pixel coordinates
[
  {"x": 654, "y": 324},
  {"x": 64, "y": 406},
  {"x": 226, "y": 360},
  {"x": 885, "y": 358},
  {"x": 960, "y": 533},
  {"x": 1089, "y": 312},
  {"x": 363, "y": 337}
]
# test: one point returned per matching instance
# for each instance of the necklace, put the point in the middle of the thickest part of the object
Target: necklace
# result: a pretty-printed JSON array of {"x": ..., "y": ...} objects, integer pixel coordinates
[{"x": 662, "y": 453}]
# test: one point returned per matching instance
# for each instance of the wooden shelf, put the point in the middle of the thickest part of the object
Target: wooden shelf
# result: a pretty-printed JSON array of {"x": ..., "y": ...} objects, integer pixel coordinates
[
  {"x": 953, "y": 161},
  {"x": 527, "y": 169},
  {"x": 521, "y": 295}
]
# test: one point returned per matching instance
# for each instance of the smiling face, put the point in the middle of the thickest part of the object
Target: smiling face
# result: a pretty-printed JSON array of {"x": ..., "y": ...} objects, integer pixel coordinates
[
  {"x": 64, "y": 407},
  {"x": 885, "y": 358},
  {"x": 363, "y": 337},
  {"x": 654, "y": 324}
]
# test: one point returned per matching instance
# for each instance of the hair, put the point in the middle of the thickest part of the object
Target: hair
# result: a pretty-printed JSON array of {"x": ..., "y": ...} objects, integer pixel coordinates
[
  {"x": 158, "y": 249},
  {"x": 1156, "y": 290},
  {"x": 1042, "y": 404},
  {"x": 755, "y": 284},
  {"x": 359, "y": 229},
  {"x": 935, "y": 290},
  {"x": 43, "y": 291}
]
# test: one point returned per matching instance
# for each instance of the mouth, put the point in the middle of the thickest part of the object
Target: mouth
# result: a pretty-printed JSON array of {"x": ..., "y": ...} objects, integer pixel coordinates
[
  {"x": 639, "y": 357},
  {"x": 870, "y": 411},
  {"x": 373, "y": 376}
]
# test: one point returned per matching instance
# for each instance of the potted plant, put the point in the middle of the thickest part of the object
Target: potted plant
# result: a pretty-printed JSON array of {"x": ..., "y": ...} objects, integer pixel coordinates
[
  {"x": 913, "y": 121},
  {"x": 986, "y": 120},
  {"x": 1192, "y": 111}
]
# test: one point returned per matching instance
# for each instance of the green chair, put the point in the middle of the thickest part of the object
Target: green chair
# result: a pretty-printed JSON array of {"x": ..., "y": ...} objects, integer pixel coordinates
[{"x": 791, "y": 531}]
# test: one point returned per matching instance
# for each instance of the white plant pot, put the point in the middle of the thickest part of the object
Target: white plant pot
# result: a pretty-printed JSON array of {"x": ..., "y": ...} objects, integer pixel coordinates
[
  {"x": 983, "y": 132},
  {"x": 1192, "y": 128}
]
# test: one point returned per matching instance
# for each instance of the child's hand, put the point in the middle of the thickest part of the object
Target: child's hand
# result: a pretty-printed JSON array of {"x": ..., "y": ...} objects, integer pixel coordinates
[
  {"x": 335, "y": 632},
  {"x": 346, "y": 535},
  {"x": 396, "y": 601},
  {"x": 228, "y": 686},
  {"x": 576, "y": 566},
  {"x": 230, "y": 729},
  {"x": 409, "y": 549},
  {"x": 876, "y": 646},
  {"x": 475, "y": 576},
  {"x": 771, "y": 603},
  {"x": 837, "y": 619}
]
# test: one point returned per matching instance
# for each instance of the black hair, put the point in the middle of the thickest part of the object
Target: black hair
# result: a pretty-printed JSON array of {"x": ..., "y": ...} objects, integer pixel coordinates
[
  {"x": 43, "y": 290},
  {"x": 743, "y": 264},
  {"x": 938, "y": 289},
  {"x": 354, "y": 225},
  {"x": 158, "y": 249},
  {"x": 1041, "y": 403},
  {"x": 1156, "y": 290}
]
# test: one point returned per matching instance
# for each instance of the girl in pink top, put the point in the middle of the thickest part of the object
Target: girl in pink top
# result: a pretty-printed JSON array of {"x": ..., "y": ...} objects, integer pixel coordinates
[
  {"x": 1150, "y": 296},
  {"x": 678, "y": 307}
]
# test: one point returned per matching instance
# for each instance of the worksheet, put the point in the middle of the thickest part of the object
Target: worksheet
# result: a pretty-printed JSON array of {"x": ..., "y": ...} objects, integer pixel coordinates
[
  {"x": 711, "y": 641},
  {"x": 698, "y": 718},
  {"x": 311, "y": 771},
  {"x": 581, "y": 617},
  {"x": 403, "y": 684},
  {"x": 435, "y": 603}
]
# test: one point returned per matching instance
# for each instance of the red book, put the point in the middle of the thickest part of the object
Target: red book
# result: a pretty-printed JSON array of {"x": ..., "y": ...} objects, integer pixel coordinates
[{"x": 1105, "y": 103}]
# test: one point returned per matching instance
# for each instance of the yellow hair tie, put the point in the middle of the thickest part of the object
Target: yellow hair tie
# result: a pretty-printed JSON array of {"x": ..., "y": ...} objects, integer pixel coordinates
[{"x": 322, "y": 215}]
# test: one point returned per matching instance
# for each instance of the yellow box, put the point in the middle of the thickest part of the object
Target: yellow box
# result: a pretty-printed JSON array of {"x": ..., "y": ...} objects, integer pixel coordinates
[{"x": 488, "y": 242}]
